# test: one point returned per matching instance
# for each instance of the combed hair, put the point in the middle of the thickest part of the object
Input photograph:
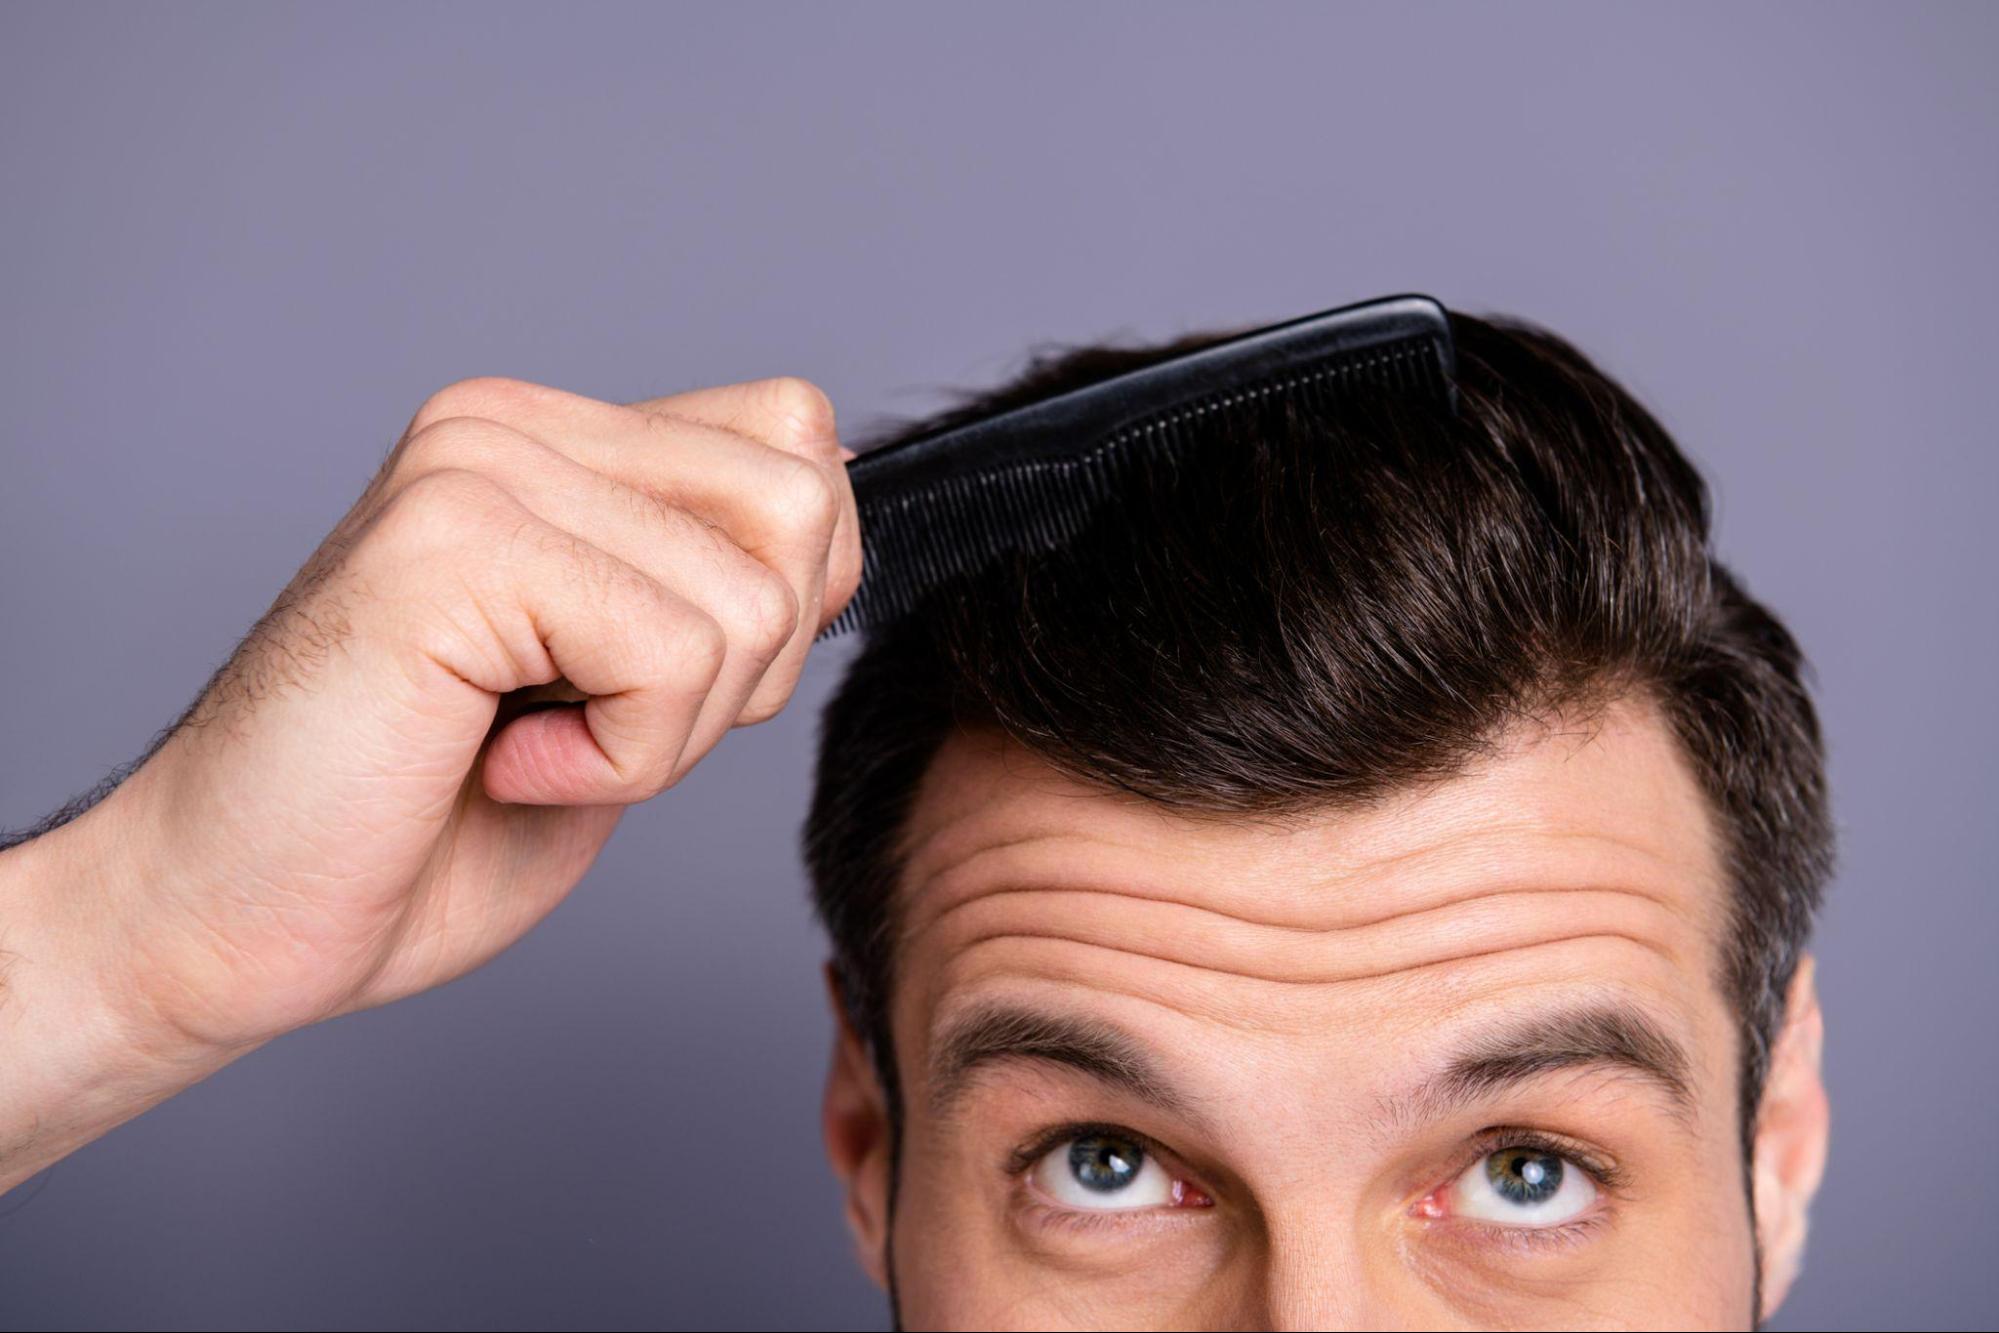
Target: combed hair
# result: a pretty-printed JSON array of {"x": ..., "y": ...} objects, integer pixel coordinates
[{"x": 1308, "y": 609}]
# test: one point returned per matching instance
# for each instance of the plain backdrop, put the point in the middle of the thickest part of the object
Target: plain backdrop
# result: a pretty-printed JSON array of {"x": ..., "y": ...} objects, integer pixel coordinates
[{"x": 239, "y": 245}]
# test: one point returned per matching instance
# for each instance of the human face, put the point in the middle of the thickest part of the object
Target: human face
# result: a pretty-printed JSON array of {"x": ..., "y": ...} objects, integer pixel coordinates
[{"x": 1457, "y": 1058}]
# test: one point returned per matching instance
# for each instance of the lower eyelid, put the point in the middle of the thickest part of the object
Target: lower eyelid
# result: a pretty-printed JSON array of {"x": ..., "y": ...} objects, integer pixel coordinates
[
  {"x": 1053, "y": 1217},
  {"x": 1539, "y": 1240},
  {"x": 1034, "y": 1200}
]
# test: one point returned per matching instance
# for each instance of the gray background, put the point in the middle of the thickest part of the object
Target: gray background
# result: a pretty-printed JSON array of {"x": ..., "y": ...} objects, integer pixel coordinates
[{"x": 238, "y": 247}]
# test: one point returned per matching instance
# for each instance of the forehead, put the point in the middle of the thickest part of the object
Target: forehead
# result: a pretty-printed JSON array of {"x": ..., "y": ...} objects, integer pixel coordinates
[{"x": 1575, "y": 859}]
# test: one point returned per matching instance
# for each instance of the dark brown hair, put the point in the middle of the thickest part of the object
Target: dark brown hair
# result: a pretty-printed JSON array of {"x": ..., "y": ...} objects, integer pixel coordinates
[{"x": 1315, "y": 606}]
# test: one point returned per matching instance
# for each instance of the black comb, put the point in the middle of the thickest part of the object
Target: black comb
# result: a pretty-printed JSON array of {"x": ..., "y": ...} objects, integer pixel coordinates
[{"x": 948, "y": 504}]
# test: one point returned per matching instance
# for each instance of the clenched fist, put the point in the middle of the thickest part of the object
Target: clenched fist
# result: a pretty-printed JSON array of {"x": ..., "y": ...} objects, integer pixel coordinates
[{"x": 544, "y": 608}]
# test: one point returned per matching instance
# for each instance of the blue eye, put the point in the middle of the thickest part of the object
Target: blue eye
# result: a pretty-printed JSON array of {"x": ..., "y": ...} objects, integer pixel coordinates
[
  {"x": 1523, "y": 1176},
  {"x": 1105, "y": 1165},
  {"x": 1523, "y": 1187},
  {"x": 1102, "y": 1172}
]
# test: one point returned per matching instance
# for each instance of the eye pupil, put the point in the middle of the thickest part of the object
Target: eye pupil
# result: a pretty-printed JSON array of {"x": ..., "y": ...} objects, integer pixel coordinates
[
  {"x": 1104, "y": 1164},
  {"x": 1524, "y": 1177}
]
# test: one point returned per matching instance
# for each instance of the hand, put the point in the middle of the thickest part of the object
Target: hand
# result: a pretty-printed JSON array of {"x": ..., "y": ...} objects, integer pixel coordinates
[{"x": 544, "y": 609}]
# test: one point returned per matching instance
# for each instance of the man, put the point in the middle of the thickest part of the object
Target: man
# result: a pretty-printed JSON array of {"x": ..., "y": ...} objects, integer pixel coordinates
[{"x": 1359, "y": 882}]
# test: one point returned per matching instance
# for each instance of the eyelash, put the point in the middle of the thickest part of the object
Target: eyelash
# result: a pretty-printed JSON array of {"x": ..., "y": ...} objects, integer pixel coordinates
[
  {"x": 1499, "y": 1138},
  {"x": 1606, "y": 1174},
  {"x": 1023, "y": 1158},
  {"x": 1603, "y": 1172},
  {"x": 1047, "y": 1213}
]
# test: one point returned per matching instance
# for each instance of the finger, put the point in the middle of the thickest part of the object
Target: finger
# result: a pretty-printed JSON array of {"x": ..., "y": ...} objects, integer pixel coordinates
[
  {"x": 754, "y": 604},
  {"x": 524, "y": 603},
  {"x": 785, "y": 412},
  {"x": 759, "y": 493},
  {"x": 738, "y": 484},
  {"x": 793, "y": 415}
]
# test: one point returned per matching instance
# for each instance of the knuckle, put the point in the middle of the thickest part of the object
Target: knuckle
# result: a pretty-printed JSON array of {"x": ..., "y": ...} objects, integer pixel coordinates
[
  {"x": 442, "y": 506},
  {"x": 695, "y": 648},
  {"x": 492, "y": 396},
  {"x": 805, "y": 500},
  {"x": 762, "y": 709},
  {"x": 451, "y": 443},
  {"x": 768, "y": 699},
  {"x": 801, "y": 410},
  {"x": 770, "y": 611}
]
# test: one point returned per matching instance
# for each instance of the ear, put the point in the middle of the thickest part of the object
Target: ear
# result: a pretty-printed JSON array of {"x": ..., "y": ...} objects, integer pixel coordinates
[
  {"x": 1791, "y": 1129},
  {"x": 855, "y": 1123}
]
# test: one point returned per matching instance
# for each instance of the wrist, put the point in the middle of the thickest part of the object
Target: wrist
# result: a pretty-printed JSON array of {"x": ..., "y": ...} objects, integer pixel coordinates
[{"x": 81, "y": 1051}]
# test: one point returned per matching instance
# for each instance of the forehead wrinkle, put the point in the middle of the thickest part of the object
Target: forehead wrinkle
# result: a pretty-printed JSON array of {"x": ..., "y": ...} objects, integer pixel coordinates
[
  {"x": 973, "y": 837},
  {"x": 1182, "y": 1007},
  {"x": 1170, "y": 933},
  {"x": 917, "y": 872},
  {"x": 1463, "y": 870},
  {"x": 1006, "y": 810},
  {"x": 1468, "y": 955},
  {"x": 919, "y": 924}
]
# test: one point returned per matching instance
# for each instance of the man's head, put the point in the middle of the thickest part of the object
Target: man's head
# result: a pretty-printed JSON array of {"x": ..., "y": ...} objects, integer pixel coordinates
[{"x": 1362, "y": 880}]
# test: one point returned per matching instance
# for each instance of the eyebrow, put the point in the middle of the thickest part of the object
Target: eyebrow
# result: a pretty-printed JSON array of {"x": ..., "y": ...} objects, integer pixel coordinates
[
  {"x": 1616, "y": 1036},
  {"x": 995, "y": 1033},
  {"x": 1604, "y": 1035}
]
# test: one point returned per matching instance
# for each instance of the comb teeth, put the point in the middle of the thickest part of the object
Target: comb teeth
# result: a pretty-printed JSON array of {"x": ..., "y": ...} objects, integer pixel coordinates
[{"x": 913, "y": 540}]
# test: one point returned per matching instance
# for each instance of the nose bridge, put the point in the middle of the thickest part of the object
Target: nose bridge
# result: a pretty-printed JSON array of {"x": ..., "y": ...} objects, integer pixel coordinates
[
  {"x": 1317, "y": 1274},
  {"x": 1327, "y": 1260}
]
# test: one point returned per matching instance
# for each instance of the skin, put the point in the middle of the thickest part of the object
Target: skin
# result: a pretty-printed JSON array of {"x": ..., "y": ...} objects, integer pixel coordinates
[
  {"x": 546, "y": 608},
  {"x": 1295, "y": 990},
  {"x": 357, "y": 809}
]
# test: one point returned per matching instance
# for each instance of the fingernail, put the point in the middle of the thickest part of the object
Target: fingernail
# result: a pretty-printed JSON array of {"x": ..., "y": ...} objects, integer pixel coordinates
[{"x": 847, "y": 455}]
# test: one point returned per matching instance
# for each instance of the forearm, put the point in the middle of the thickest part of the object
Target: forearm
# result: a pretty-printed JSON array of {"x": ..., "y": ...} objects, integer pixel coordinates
[{"x": 76, "y": 1059}]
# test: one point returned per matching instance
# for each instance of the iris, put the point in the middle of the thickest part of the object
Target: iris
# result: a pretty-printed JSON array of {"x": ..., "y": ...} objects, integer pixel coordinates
[
  {"x": 1104, "y": 1164},
  {"x": 1524, "y": 1177}
]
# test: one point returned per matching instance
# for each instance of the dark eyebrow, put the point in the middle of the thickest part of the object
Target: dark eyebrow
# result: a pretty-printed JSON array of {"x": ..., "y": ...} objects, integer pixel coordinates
[
  {"x": 1102, "y": 1050},
  {"x": 1612, "y": 1035},
  {"x": 1602, "y": 1035}
]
